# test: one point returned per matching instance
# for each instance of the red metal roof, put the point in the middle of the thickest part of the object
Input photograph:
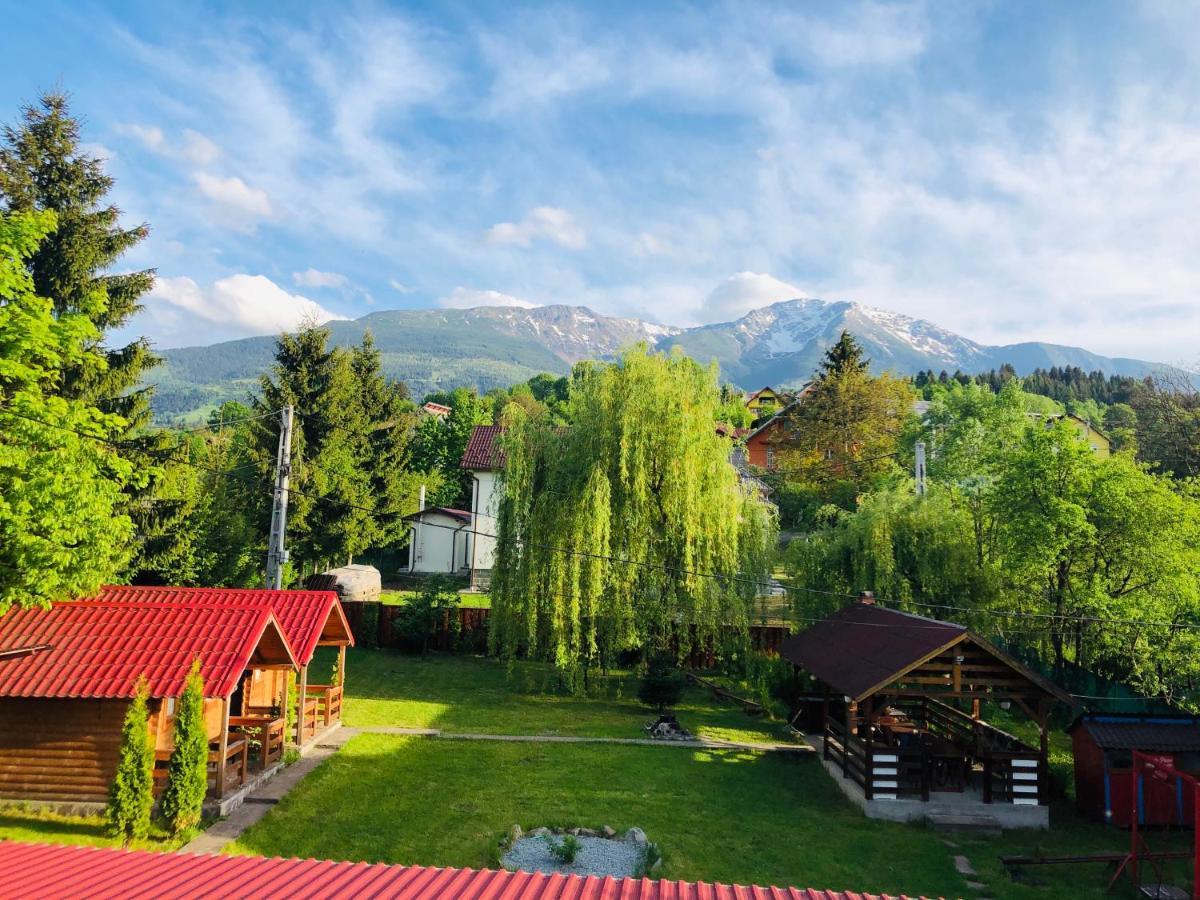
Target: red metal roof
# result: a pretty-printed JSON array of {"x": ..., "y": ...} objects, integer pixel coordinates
[
  {"x": 483, "y": 449},
  {"x": 29, "y": 871},
  {"x": 303, "y": 615},
  {"x": 99, "y": 650}
]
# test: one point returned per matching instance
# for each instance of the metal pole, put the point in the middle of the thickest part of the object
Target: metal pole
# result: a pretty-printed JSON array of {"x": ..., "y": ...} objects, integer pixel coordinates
[
  {"x": 919, "y": 473},
  {"x": 277, "y": 553}
]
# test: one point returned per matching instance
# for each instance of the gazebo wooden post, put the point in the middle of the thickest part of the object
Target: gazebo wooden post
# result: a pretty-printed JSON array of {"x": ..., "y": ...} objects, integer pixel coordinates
[
  {"x": 222, "y": 748},
  {"x": 825, "y": 720},
  {"x": 865, "y": 720},
  {"x": 851, "y": 710},
  {"x": 1043, "y": 717}
]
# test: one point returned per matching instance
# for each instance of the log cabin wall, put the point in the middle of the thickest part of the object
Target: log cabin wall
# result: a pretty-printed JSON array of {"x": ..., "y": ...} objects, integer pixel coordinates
[{"x": 60, "y": 750}]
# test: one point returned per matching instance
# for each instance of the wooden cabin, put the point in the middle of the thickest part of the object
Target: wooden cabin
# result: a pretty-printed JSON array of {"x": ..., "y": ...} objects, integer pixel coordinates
[
  {"x": 1103, "y": 744},
  {"x": 309, "y": 619},
  {"x": 902, "y": 710},
  {"x": 63, "y": 704}
]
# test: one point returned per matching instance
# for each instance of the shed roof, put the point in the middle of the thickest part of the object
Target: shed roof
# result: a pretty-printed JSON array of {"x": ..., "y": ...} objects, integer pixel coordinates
[
  {"x": 483, "y": 449},
  {"x": 100, "y": 649},
  {"x": 460, "y": 514},
  {"x": 1153, "y": 733},
  {"x": 308, "y": 618},
  {"x": 29, "y": 871},
  {"x": 861, "y": 645}
]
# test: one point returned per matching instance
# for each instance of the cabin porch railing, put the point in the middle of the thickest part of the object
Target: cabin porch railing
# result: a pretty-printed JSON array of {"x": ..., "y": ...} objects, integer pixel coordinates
[
  {"x": 236, "y": 766},
  {"x": 264, "y": 734},
  {"x": 329, "y": 702},
  {"x": 307, "y": 712}
]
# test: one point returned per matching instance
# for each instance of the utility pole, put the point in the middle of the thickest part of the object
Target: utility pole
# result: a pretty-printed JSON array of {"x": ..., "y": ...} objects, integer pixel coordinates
[
  {"x": 277, "y": 554},
  {"x": 919, "y": 473}
]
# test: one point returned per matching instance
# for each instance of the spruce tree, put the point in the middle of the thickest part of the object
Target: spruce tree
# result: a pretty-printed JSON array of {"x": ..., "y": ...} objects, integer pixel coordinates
[
  {"x": 187, "y": 770},
  {"x": 131, "y": 794},
  {"x": 844, "y": 356}
]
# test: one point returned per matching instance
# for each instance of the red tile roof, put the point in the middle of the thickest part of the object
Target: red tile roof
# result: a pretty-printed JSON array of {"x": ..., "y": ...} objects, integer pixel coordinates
[
  {"x": 99, "y": 650},
  {"x": 483, "y": 449},
  {"x": 303, "y": 615},
  {"x": 29, "y": 871}
]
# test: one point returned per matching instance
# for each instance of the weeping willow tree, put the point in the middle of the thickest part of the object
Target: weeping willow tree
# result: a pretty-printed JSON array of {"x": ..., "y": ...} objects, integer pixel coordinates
[{"x": 629, "y": 529}]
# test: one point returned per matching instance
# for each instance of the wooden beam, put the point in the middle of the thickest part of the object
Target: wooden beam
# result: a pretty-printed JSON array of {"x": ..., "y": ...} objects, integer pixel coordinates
[
  {"x": 223, "y": 747},
  {"x": 302, "y": 691}
]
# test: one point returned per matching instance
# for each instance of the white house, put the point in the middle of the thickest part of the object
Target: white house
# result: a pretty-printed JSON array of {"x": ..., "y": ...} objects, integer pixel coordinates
[
  {"x": 463, "y": 541},
  {"x": 441, "y": 541}
]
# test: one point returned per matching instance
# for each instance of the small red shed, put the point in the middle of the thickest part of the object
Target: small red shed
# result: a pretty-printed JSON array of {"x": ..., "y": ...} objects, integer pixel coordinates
[{"x": 1104, "y": 745}]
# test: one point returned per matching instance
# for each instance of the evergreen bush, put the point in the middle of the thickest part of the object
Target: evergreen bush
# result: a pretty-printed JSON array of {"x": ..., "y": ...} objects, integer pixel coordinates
[
  {"x": 662, "y": 686},
  {"x": 187, "y": 771},
  {"x": 131, "y": 794}
]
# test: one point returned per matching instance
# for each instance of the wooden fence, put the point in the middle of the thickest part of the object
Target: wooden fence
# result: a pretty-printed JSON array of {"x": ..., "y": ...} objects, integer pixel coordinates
[{"x": 373, "y": 626}]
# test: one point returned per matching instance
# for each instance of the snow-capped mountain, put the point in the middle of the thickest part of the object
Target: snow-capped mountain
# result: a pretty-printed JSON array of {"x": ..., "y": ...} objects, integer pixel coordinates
[{"x": 490, "y": 346}]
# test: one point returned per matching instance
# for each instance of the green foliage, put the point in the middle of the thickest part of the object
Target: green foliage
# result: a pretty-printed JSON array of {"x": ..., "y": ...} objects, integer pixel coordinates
[
  {"x": 417, "y": 621},
  {"x": 187, "y": 770},
  {"x": 291, "y": 703},
  {"x": 63, "y": 527},
  {"x": 131, "y": 794},
  {"x": 439, "y": 444},
  {"x": 662, "y": 686},
  {"x": 566, "y": 849},
  {"x": 844, "y": 357},
  {"x": 647, "y": 479}
]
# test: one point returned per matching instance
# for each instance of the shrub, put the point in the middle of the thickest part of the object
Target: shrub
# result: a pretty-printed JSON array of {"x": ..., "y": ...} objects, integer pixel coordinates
[
  {"x": 417, "y": 621},
  {"x": 187, "y": 770},
  {"x": 662, "y": 685},
  {"x": 566, "y": 850},
  {"x": 131, "y": 794}
]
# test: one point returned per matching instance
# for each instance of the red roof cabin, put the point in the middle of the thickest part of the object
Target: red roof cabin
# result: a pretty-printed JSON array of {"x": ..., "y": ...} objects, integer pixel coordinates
[
  {"x": 1104, "y": 743},
  {"x": 63, "y": 700}
]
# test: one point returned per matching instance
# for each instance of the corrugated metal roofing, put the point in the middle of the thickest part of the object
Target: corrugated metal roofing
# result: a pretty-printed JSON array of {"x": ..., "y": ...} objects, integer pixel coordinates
[
  {"x": 1154, "y": 733},
  {"x": 483, "y": 449},
  {"x": 861, "y": 645},
  {"x": 30, "y": 871},
  {"x": 460, "y": 514},
  {"x": 303, "y": 615},
  {"x": 99, "y": 650}
]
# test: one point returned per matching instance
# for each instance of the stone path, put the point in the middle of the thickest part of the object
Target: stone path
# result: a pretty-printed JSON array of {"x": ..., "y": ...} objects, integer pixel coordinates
[
  {"x": 695, "y": 744},
  {"x": 259, "y": 803}
]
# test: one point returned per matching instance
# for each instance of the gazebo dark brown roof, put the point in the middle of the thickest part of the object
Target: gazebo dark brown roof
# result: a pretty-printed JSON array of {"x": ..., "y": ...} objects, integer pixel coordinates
[{"x": 863, "y": 648}]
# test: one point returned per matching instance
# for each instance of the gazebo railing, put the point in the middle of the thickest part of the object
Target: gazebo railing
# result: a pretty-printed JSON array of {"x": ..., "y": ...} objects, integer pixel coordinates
[{"x": 329, "y": 702}]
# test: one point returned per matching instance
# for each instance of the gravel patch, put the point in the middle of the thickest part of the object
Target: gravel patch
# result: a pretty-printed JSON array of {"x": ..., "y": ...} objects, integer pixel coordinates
[{"x": 597, "y": 856}]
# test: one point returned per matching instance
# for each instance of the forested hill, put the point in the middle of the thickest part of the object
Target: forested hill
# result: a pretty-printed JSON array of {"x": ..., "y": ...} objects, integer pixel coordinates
[{"x": 486, "y": 347}]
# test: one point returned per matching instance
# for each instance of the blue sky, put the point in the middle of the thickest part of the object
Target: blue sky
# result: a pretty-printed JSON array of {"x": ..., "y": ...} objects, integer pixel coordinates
[{"x": 1013, "y": 171}]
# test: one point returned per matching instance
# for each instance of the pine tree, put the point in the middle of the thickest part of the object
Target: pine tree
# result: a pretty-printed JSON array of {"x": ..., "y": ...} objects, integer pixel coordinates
[
  {"x": 131, "y": 794},
  {"x": 844, "y": 356},
  {"x": 187, "y": 770}
]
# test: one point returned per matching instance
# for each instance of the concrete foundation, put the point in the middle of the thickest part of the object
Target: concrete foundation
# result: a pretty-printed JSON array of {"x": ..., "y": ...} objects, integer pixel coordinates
[{"x": 946, "y": 809}]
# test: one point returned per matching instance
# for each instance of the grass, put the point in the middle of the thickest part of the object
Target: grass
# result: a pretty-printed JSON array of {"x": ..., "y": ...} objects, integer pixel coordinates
[
  {"x": 732, "y": 816},
  {"x": 28, "y": 824},
  {"x": 473, "y": 694}
]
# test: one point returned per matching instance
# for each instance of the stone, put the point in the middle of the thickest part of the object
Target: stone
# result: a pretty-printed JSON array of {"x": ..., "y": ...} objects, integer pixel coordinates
[
  {"x": 635, "y": 836},
  {"x": 963, "y": 866},
  {"x": 976, "y": 885},
  {"x": 575, "y": 831},
  {"x": 587, "y": 832},
  {"x": 608, "y": 831},
  {"x": 657, "y": 865},
  {"x": 515, "y": 834}
]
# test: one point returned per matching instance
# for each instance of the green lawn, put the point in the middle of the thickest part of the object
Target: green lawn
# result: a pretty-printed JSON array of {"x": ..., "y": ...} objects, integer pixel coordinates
[
  {"x": 470, "y": 600},
  {"x": 466, "y": 693},
  {"x": 730, "y": 816},
  {"x": 22, "y": 824}
]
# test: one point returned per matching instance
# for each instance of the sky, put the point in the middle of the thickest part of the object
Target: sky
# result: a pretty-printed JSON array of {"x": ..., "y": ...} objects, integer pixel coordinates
[{"x": 1010, "y": 170}]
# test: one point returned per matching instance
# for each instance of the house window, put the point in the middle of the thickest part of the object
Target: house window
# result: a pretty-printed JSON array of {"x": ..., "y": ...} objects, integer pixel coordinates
[{"x": 770, "y": 457}]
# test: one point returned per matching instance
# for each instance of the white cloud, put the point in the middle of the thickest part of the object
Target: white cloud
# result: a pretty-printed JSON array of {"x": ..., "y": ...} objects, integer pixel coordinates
[
  {"x": 743, "y": 292},
  {"x": 191, "y": 147},
  {"x": 466, "y": 298},
  {"x": 150, "y": 136},
  {"x": 198, "y": 149},
  {"x": 399, "y": 287},
  {"x": 317, "y": 278},
  {"x": 540, "y": 223},
  {"x": 646, "y": 244},
  {"x": 180, "y": 311},
  {"x": 238, "y": 204}
]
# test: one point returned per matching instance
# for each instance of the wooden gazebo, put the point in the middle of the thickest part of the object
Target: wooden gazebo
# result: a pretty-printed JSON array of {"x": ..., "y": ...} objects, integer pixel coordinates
[{"x": 901, "y": 709}]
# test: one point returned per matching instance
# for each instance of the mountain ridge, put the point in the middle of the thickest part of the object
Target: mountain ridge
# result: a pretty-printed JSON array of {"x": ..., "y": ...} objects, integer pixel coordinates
[{"x": 491, "y": 346}]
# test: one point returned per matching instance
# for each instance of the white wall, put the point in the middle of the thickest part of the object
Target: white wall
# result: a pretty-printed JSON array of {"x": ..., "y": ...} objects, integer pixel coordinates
[
  {"x": 484, "y": 508},
  {"x": 438, "y": 545}
]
